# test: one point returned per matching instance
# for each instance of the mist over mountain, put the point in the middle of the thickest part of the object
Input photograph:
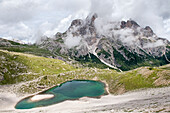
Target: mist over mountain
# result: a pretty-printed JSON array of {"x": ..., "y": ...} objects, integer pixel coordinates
[
  {"x": 121, "y": 45},
  {"x": 29, "y": 20}
]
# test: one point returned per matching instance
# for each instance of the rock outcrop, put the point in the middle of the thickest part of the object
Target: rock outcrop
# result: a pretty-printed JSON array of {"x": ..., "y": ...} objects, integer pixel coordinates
[
  {"x": 129, "y": 24},
  {"x": 125, "y": 45}
]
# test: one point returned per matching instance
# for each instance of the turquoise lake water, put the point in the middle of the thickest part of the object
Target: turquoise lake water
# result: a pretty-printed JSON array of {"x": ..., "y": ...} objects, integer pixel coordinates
[{"x": 69, "y": 90}]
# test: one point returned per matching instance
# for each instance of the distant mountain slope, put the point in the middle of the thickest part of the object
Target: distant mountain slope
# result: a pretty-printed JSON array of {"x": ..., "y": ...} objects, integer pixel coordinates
[
  {"x": 24, "y": 48},
  {"x": 120, "y": 45}
]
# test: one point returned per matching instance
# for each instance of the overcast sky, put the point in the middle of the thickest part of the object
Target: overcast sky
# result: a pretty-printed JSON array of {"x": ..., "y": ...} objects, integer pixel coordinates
[{"x": 28, "y": 20}]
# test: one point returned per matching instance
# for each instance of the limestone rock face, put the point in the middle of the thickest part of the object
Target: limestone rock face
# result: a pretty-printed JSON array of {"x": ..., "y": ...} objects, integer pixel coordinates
[
  {"x": 4, "y": 42},
  {"x": 120, "y": 44},
  {"x": 77, "y": 22},
  {"x": 129, "y": 24},
  {"x": 148, "y": 31}
]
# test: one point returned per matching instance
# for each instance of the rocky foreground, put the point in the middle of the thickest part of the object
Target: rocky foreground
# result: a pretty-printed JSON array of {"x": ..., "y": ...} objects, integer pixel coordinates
[{"x": 146, "y": 101}]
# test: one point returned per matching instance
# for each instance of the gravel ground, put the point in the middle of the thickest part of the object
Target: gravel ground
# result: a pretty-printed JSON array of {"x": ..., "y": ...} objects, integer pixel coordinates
[{"x": 145, "y": 101}]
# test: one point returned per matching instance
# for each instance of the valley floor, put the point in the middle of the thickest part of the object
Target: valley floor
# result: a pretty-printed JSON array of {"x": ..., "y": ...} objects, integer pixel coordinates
[{"x": 148, "y": 100}]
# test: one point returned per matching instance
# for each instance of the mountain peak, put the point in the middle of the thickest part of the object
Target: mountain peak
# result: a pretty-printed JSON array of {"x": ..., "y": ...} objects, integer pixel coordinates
[
  {"x": 148, "y": 31},
  {"x": 77, "y": 22},
  {"x": 111, "y": 43},
  {"x": 83, "y": 27},
  {"x": 91, "y": 18},
  {"x": 130, "y": 24}
]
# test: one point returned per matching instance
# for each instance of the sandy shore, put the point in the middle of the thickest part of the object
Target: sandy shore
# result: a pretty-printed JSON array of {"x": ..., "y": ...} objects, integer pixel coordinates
[
  {"x": 149, "y": 100},
  {"x": 41, "y": 97}
]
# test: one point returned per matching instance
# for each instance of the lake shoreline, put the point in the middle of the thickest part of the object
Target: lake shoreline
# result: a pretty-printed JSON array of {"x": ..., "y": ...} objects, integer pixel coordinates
[
  {"x": 107, "y": 102},
  {"x": 48, "y": 94}
]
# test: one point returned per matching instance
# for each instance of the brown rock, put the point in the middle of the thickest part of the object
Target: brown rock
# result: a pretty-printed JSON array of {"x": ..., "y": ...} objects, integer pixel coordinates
[
  {"x": 90, "y": 19},
  {"x": 129, "y": 24},
  {"x": 123, "y": 24},
  {"x": 77, "y": 22},
  {"x": 148, "y": 31}
]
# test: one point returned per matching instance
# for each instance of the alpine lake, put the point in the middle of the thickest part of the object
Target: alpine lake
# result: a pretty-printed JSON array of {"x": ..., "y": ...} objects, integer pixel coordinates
[{"x": 70, "y": 90}]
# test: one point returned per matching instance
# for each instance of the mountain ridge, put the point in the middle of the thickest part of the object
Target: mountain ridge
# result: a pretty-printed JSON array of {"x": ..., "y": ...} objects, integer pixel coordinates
[
  {"x": 122, "y": 45},
  {"x": 125, "y": 39}
]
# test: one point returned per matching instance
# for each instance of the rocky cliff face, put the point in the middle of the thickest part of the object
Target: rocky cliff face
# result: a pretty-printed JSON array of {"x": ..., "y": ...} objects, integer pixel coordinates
[
  {"x": 122, "y": 45},
  {"x": 4, "y": 42}
]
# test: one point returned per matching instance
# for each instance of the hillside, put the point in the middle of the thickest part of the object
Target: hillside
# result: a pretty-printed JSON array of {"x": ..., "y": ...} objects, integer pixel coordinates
[
  {"x": 24, "y": 48},
  {"x": 19, "y": 67},
  {"x": 29, "y": 74}
]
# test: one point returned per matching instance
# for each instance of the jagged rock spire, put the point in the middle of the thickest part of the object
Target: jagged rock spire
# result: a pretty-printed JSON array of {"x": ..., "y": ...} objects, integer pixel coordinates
[
  {"x": 91, "y": 18},
  {"x": 77, "y": 22},
  {"x": 130, "y": 23},
  {"x": 148, "y": 31}
]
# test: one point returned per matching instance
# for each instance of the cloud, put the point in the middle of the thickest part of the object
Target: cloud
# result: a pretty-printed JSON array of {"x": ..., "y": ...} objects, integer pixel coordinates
[
  {"x": 12, "y": 11},
  {"x": 71, "y": 41},
  {"x": 154, "y": 44},
  {"x": 153, "y": 13},
  {"x": 47, "y": 17},
  {"x": 19, "y": 30},
  {"x": 42, "y": 17},
  {"x": 104, "y": 8}
]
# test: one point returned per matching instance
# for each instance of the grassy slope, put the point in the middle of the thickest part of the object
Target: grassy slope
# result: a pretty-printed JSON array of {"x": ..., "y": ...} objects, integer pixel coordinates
[
  {"x": 17, "y": 67},
  {"x": 24, "y": 48},
  {"x": 43, "y": 72}
]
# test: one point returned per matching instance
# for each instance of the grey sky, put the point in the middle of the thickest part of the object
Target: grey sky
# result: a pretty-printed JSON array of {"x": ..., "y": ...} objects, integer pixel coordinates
[{"x": 28, "y": 20}]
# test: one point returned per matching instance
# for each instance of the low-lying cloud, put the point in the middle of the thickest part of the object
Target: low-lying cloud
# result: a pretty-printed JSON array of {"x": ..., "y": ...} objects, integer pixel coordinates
[
  {"x": 47, "y": 17},
  {"x": 71, "y": 41},
  {"x": 153, "y": 13},
  {"x": 154, "y": 44}
]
